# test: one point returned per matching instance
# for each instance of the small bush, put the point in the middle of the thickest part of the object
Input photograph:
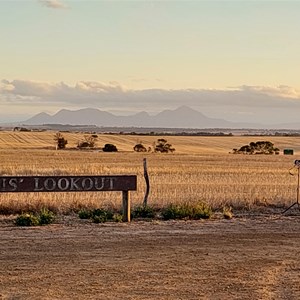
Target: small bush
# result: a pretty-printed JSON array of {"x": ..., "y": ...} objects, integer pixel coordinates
[
  {"x": 85, "y": 214},
  {"x": 109, "y": 148},
  {"x": 187, "y": 211},
  {"x": 140, "y": 148},
  {"x": 118, "y": 218},
  {"x": 101, "y": 215},
  {"x": 173, "y": 211},
  {"x": 143, "y": 212},
  {"x": 46, "y": 217},
  {"x": 201, "y": 211},
  {"x": 27, "y": 219},
  {"x": 99, "y": 219}
]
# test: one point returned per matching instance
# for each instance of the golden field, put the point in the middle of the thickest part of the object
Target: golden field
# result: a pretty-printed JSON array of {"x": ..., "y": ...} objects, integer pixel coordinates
[{"x": 201, "y": 169}]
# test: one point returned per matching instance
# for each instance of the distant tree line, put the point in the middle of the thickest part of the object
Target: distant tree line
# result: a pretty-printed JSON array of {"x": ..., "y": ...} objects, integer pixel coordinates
[{"x": 89, "y": 142}]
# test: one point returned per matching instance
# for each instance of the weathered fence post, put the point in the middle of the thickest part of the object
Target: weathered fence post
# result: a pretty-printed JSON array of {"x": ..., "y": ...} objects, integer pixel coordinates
[
  {"x": 126, "y": 206},
  {"x": 147, "y": 182}
]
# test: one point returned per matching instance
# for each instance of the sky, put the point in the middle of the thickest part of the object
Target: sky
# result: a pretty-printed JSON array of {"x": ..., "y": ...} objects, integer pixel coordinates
[{"x": 235, "y": 60}]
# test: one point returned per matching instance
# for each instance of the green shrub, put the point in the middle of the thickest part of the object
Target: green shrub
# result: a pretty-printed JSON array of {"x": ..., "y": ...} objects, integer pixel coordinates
[
  {"x": 118, "y": 218},
  {"x": 85, "y": 214},
  {"x": 100, "y": 215},
  {"x": 187, "y": 211},
  {"x": 143, "y": 212},
  {"x": 173, "y": 211},
  {"x": 201, "y": 211},
  {"x": 99, "y": 219},
  {"x": 100, "y": 212},
  {"x": 27, "y": 219},
  {"x": 46, "y": 217}
]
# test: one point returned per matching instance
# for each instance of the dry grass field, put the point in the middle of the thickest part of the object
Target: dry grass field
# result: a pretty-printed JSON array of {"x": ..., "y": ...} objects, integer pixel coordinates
[{"x": 201, "y": 169}]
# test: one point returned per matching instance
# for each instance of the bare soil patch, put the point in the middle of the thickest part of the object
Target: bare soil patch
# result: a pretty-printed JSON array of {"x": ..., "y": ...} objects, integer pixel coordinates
[{"x": 242, "y": 258}]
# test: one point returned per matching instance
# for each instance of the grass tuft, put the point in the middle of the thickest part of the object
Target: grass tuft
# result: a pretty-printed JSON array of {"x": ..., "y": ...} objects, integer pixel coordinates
[
  {"x": 187, "y": 211},
  {"x": 143, "y": 211},
  {"x": 227, "y": 213}
]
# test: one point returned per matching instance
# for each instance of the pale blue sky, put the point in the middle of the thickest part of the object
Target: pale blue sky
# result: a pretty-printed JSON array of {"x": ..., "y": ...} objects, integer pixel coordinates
[{"x": 140, "y": 45}]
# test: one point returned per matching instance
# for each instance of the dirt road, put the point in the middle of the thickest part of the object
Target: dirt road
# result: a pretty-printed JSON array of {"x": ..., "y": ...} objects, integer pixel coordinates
[{"x": 243, "y": 258}]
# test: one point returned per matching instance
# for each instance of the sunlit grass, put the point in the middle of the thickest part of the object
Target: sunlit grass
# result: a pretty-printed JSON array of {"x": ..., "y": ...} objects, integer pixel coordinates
[{"x": 212, "y": 176}]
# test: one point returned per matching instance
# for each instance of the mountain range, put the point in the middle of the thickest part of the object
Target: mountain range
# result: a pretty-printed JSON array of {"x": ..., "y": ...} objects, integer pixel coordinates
[{"x": 182, "y": 117}]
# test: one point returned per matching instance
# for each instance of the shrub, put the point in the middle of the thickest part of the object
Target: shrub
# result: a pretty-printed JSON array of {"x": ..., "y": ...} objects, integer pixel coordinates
[
  {"x": 109, "y": 148},
  {"x": 139, "y": 148},
  {"x": 85, "y": 214},
  {"x": 187, "y": 211},
  {"x": 27, "y": 219},
  {"x": 99, "y": 219},
  {"x": 101, "y": 215},
  {"x": 46, "y": 217},
  {"x": 173, "y": 211},
  {"x": 143, "y": 212},
  {"x": 201, "y": 211},
  {"x": 118, "y": 218}
]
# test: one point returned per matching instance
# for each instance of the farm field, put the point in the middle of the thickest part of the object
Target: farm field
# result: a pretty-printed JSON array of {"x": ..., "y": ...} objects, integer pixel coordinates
[
  {"x": 252, "y": 256},
  {"x": 201, "y": 169}
]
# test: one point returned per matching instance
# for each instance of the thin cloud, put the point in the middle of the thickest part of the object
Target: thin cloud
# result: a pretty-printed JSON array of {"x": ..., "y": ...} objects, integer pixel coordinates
[
  {"x": 56, "y": 4},
  {"x": 243, "y": 103}
]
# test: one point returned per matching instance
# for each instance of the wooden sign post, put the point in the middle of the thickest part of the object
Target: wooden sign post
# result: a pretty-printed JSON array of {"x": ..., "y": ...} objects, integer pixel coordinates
[{"x": 124, "y": 183}]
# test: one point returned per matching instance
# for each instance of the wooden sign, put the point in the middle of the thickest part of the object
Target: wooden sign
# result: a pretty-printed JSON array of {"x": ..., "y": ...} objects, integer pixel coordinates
[
  {"x": 124, "y": 183},
  {"x": 12, "y": 184}
]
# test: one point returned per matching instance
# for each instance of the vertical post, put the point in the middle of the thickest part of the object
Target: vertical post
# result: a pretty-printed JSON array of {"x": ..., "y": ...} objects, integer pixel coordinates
[
  {"x": 298, "y": 183},
  {"x": 147, "y": 182},
  {"x": 126, "y": 206}
]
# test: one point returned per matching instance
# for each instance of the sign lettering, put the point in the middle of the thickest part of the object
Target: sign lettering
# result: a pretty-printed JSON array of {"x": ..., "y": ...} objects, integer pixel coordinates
[{"x": 67, "y": 183}]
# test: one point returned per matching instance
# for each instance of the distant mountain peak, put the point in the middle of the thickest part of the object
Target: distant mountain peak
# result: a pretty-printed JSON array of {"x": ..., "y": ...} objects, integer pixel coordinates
[
  {"x": 184, "y": 108},
  {"x": 181, "y": 117}
]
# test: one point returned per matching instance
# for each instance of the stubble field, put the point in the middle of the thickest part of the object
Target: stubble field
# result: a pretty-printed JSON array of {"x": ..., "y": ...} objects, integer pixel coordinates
[
  {"x": 201, "y": 169},
  {"x": 252, "y": 256}
]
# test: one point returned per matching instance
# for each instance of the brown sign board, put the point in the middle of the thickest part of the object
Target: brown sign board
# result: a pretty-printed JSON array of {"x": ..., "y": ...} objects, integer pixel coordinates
[{"x": 11, "y": 184}]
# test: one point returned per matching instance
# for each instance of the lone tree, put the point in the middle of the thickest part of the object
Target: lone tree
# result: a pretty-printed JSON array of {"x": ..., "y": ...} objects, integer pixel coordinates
[
  {"x": 89, "y": 141},
  {"x": 139, "y": 148},
  {"x": 61, "y": 142},
  {"x": 260, "y": 147},
  {"x": 163, "y": 146}
]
